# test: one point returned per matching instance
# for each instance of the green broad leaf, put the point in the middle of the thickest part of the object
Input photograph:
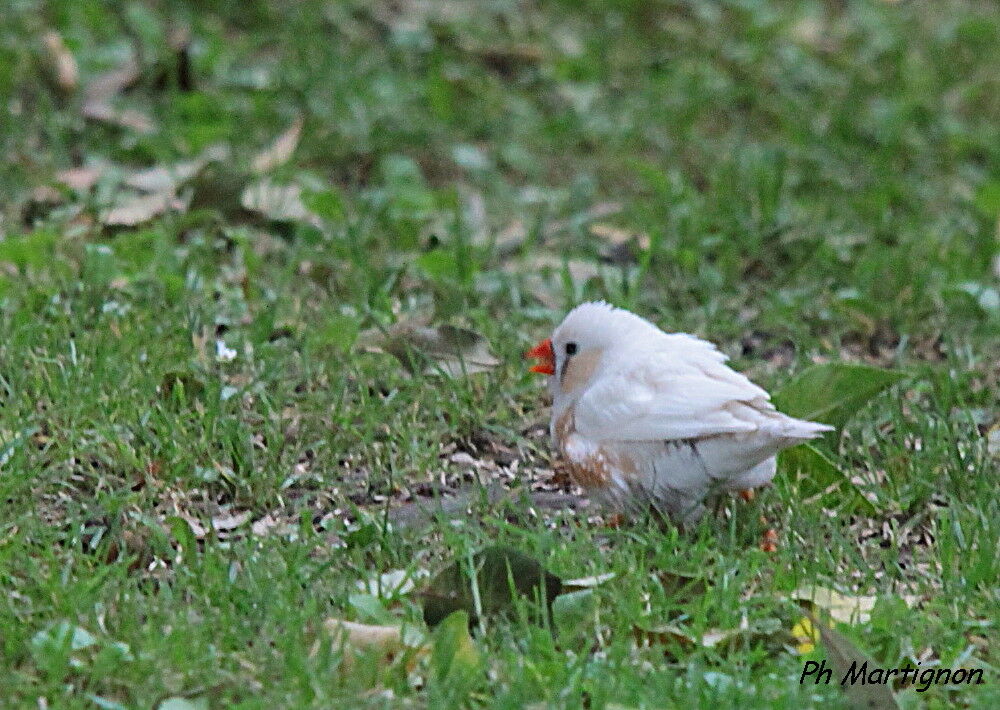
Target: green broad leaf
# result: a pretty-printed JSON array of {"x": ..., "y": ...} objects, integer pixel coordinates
[
  {"x": 987, "y": 198},
  {"x": 326, "y": 204},
  {"x": 339, "y": 331},
  {"x": 817, "y": 475},
  {"x": 848, "y": 660},
  {"x": 455, "y": 660},
  {"x": 488, "y": 583},
  {"x": 833, "y": 393},
  {"x": 440, "y": 265},
  {"x": 185, "y": 537}
]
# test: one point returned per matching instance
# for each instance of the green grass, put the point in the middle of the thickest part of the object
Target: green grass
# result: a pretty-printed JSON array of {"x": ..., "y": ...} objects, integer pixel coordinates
[{"x": 818, "y": 182}]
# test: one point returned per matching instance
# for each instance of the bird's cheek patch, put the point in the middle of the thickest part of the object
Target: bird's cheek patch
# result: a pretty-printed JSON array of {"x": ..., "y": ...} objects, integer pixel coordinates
[{"x": 579, "y": 369}]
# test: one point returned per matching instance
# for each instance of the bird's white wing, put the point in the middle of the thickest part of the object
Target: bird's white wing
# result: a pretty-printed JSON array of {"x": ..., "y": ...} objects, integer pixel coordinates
[{"x": 683, "y": 391}]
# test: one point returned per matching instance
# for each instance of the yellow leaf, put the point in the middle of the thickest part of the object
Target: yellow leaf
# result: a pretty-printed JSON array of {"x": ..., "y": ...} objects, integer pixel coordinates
[{"x": 806, "y": 634}]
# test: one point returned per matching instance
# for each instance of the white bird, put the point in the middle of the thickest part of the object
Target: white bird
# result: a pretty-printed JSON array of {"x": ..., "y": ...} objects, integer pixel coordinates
[{"x": 645, "y": 418}]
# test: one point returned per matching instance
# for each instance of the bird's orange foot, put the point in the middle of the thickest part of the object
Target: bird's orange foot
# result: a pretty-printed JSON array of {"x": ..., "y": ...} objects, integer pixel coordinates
[
  {"x": 769, "y": 541},
  {"x": 747, "y": 494}
]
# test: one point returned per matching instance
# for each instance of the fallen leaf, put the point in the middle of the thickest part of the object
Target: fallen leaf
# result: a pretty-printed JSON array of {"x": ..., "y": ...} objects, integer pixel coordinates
[
  {"x": 833, "y": 393},
  {"x": 136, "y": 210},
  {"x": 165, "y": 178},
  {"x": 61, "y": 637},
  {"x": 575, "y": 585},
  {"x": 622, "y": 244},
  {"x": 64, "y": 64},
  {"x": 268, "y": 523},
  {"x": 669, "y": 633},
  {"x": 806, "y": 635},
  {"x": 125, "y": 118},
  {"x": 499, "y": 576},
  {"x": 844, "y": 608},
  {"x": 225, "y": 523},
  {"x": 591, "y": 214},
  {"x": 279, "y": 203},
  {"x": 279, "y": 152},
  {"x": 80, "y": 179},
  {"x": 395, "y": 583},
  {"x": 993, "y": 440},
  {"x": 455, "y": 660},
  {"x": 101, "y": 88},
  {"x": 387, "y": 642},
  {"x": 820, "y": 477}
]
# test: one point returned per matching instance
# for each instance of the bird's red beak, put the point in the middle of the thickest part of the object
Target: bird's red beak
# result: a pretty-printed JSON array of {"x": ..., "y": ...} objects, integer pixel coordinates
[{"x": 543, "y": 352}]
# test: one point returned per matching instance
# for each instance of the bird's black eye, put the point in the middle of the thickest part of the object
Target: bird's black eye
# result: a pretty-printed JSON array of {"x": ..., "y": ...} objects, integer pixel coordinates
[{"x": 570, "y": 349}]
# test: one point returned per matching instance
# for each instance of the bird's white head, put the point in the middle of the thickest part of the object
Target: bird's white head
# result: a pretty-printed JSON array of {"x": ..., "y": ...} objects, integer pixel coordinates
[{"x": 589, "y": 337}]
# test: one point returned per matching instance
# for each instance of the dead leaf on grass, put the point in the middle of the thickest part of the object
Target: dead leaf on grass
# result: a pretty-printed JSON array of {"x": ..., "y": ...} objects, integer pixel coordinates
[
  {"x": 993, "y": 440},
  {"x": 620, "y": 246},
  {"x": 581, "y": 583},
  {"x": 139, "y": 209},
  {"x": 591, "y": 214},
  {"x": 104, "y": 86},
  {"x": 844, "y": 608},
  {"x": 279, "y": 152},
  {"x": 670, "y": 634},
  {"x": 228, "y": 522},
  {"x": 100, "y": 92},
  {"x": 395, "y": 583},
  {"x": 165, "y": 178},
  {"x": 64, "y": 66},
  {"x": 81, "y": 179},
  {"x": 388, "y": 642},
  {"x": 279, "y": 203},
  {"x": 132, "y": 119}
]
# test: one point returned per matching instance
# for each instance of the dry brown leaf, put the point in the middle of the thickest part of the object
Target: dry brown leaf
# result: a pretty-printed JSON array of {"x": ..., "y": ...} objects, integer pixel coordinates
[
  {"x": 993, "y": 440},
  {"x": 266, "y": 524},
  {"x": 280, "y": 203},
  {"x": 46, "y": 195},
  {"x": 63, "y": 62},
  {"x": 125, "y": 118},
  {"x": 165, "y": 178},
  {"x": 390, "y": 642},
  {"x": 395, "y": 583},
  {"x": 573, "y": 585},
  {"x": 225, "y": 523},
  {"x": 101, "y": 88},
  {"x": 140, "y": 209},
  {"x": 842, "y": 607},
  {"x": 617, "y": 236},
  {"x": 279, "y": 152},
  {"x": 80, "y": 179},
  {"x": 511, "y": 238},
  {"x": 595, "y": 212},
  {"x": 669, "y": 633}
]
